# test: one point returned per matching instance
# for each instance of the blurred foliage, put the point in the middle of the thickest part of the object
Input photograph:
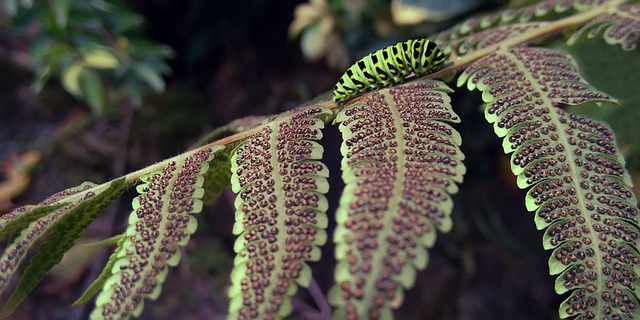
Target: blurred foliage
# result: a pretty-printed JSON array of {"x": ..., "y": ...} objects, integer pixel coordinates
[
  {"x": 333, "y": 28},
  {"x": 94, "y": 47},
  {"x": 412, "y": 12},
  {"x": 17, "y": 171}
]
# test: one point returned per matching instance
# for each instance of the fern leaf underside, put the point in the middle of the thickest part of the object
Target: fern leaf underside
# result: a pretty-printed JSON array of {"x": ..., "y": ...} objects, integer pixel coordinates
[
  {"x": 579, "y": 188},
  {"x": 280, "y": 213},
  {"x": 542, "y": 11},
  {"x": 161, "y": 221},
  {"x": 619, "y": 25},
  {"x": 401, "y": 162},
  {"x": 59, "y": 228}
]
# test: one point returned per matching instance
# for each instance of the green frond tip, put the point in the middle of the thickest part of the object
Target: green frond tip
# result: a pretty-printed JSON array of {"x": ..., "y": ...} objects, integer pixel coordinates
[
  {"x": 579, "y": 189},
  {"x": 104, "y": 242},
  {"x": 161, "y": 221},
  {"x": 280, "y": 213},
  {"x": 401, "y": 163},
  {"x": 98, "y": 284},
  {"x": 61, "y": 230}
]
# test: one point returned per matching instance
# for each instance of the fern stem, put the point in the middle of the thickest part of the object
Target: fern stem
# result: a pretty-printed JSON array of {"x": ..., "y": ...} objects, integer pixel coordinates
[{"x": 549, "y": 28}]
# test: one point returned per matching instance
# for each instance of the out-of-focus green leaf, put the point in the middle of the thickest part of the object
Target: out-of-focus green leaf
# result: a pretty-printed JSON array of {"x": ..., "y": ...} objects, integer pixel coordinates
[
  {"x": 92, "y": 89},
  {"x": 148, "y": 49},
  {"x": 71, "y": 77},
  {"x": 61, "y": 12},
  {"x": 312, "y": 43},
  {"x": 11, "y": 6},
  {"x": 150, "y": 76},
  {"x": 100, "y": 59},
  {"x": 128, "y": 22},
  {"x": 412, "y": 12},
  {"x": 42, "y": 76}
]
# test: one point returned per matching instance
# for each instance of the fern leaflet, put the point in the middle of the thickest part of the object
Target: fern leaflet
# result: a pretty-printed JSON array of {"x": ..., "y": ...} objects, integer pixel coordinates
[
  {"x": 60, "y": 229},
  {"x": 280, "y": 213},
  {"x": 160, "y": 222},
  {"x": 579, "y": 188},
  {"x": 401, "y": 161},
  {"x": 537, "y": 12},
  {"x": 619, "y": 25}
]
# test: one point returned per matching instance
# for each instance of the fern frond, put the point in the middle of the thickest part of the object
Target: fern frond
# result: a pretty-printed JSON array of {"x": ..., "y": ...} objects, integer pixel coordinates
[
  {"x": 401, "y": 161},
  {"x": 21, "y": 217},
  {"x": 579, "y": 188},
  {"x": 160, "y": 222},
  {"x": 218, "y": 178},
  {"x": 619, "y": 25},
  {"x": 59, "y": 228},
  {"x": 280, "y": 213},
  {"x": 476, "y": 41},
  {"x": 541, "y": 11}
]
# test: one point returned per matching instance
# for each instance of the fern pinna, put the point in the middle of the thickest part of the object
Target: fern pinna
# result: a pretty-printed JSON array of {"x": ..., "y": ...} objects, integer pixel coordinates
[
  {"x": 578, "y": 186},
  {"x": 401, "y": 164},
  {"x": 401, "y": 160},
  {"x": 280, "y": 213}
]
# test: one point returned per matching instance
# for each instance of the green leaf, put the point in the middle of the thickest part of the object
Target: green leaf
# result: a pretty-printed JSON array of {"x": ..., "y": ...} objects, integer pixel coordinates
[
  {"x": 578, "y": 186},
  {"x": 150, "y": 76},
  {"x": 100, "y": 59},
  {"x": 39, "y": 219},
  {"x": 280, "y": 213},
  {"x": 61, "y": 233},
  {"x": 105, "y": 242},
  {"x": 71, "y": 78},
  {"x": 161, "y": 221},
  {"x": 620, "y": 25},
  {"x": 128, "y": 22},
  {"x": 401, "y": 162},
  {"x": 98, "y": 284},
  {"x": 20, "y": 218},
  {"x": 149, "y": 50},
  {"x": 92, "y": 89},
  {"x": 412, "y": 12},
  {"x": 510, "y": 18},
  {"x": 313, "y": 42},
  {"x": 61, "y": 12}
]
